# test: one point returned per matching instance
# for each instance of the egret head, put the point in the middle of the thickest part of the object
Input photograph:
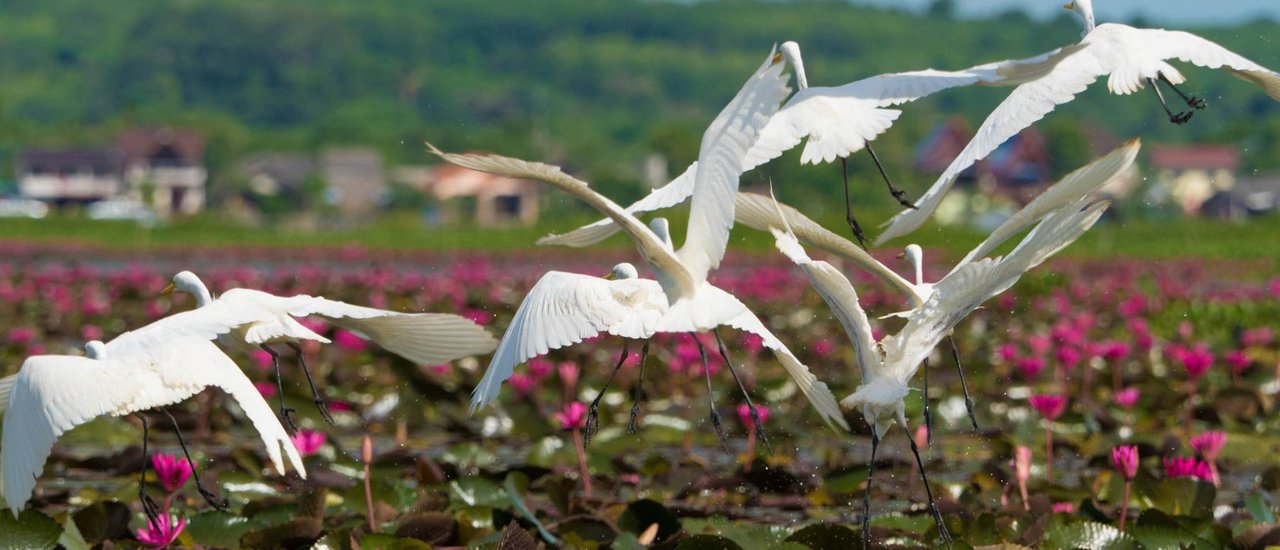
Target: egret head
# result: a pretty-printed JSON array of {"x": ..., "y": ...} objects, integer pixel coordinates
[
  {"x": 791, "y": 52},
  {"x": 915, "y": 255},
  {"x": 188, "y": 282},
  {"x": 881, "y": 401},
  {"x": 1085, "y": 9},
  {"x": 662, "y": 228},
  {"x": 622, "y": 271},
  {"x": 95, "y": 349}
]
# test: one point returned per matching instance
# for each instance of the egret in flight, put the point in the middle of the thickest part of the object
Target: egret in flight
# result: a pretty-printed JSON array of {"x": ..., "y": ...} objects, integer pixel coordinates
[
  {"x": 244, "y": 317},
  {"x": 764, "y": 213},
  {"x": 563, "y": 309},
  {"x": 834, "y": 122},
  {"x": 1130, "y": 57},
  {"x": 51, "y": 394},
  {"x": 886, "y": 366}
]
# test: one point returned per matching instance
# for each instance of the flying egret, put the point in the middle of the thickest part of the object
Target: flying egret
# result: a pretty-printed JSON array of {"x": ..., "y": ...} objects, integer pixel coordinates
[
  {"x": 886, "y": 366},
  {"x": 835, "y": 122},
  {"x": 1130, "y": 57},
  {"x": 244, "y": 317},
  {"x": 764, "y": 213},
  {"x": 570, "y": 308},
  {"x": 51, "y": 394}
]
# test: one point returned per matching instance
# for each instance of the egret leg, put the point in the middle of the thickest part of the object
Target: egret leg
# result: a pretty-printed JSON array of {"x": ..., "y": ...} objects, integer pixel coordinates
[
  {"x": 315, "y": 394},
  {"x": 593, "y": 416},
  {"x": 928, "y": 418},
  {"x": 968, "y": 403},
  {"x": 848, "y": 206},
  {"x": 866, "y": 495},
  {"x": 898, "y": 194},
  {"x": 285, "y": 412},
  {"x": 1180, "y": 118},
  {"x": 1192, "y": 101},
  {"x": 149, "y": 506},
  {"x": 213, "y": 500},
  {"x": 933, "y": 505},
  {"x": 637, "y": 393},
  {"x": 711, "y": 398},
  {"x": 755, "y": 415}
]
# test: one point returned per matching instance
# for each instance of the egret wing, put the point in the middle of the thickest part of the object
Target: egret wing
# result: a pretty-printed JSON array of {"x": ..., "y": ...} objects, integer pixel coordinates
[
  {"x": 562, "y": 309},
  {"x": 6, "y": 389},
  {"x": 1027, "y": 104},
  {"x": 674, "y": 192},
  {"x": 817, "y": 392},
  {"x": 1190, "y": 48},
  {"x": 758, "y": 212},
  {"x": 720, "y": 163},
  {"x": 207, "y": 323},
  {"x": 1077, "y": 184},
  {"x": 840, "y": 296},
  {"x": 650, "y": 246}
]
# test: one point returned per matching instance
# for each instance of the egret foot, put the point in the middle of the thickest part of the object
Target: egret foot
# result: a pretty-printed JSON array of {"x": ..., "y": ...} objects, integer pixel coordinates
[
  {"x": 637, "y": 393},
  {"x": 321, "y": 404},
  {"x": 711, "y": 396},
  {"x": 755, "y": 414},
  {"x": 593, "y": 414},
  {"x": 866, "y": 495},
  {"x": 933, "y": 505}
]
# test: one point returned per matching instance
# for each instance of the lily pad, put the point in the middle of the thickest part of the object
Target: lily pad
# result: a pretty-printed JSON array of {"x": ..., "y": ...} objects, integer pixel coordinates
[
  {"x": 31, "y": 530},
  {"x": 826, "y": 535},
  {"x": 707, "y": 542},
  {"x": 643, "y": 513},
  {"x": 1087, "y": 534}
]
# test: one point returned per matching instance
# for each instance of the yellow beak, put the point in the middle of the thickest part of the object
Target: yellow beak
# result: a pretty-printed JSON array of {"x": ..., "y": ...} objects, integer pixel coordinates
[
  {"x": 1070, "y": 5},
  {"x": 608, "y": 276},
  {"x": 169, "y": 289}
]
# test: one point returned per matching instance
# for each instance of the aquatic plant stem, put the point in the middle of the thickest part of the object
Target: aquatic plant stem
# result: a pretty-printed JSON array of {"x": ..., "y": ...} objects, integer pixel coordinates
[{"x": 582, "y": 462}]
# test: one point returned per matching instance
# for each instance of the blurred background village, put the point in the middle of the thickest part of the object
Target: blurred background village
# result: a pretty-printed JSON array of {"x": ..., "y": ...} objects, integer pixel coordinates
[{"x": 310, "y": 116}]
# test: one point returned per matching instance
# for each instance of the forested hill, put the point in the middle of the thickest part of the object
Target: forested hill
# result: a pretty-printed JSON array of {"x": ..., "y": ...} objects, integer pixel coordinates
[{"x": 593, "y": 83}]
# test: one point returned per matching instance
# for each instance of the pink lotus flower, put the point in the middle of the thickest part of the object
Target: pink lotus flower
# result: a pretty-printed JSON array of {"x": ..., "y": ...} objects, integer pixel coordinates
[
  {"x": 1029, "y": 367},
  {"x": 1197, "y": 361},
  {"x": 478, "y": 316},
  {"x": 540, "y": 368},
  {"x": 752, "y": 342},
  {"x": 568, "y": 371},
  {"x": 1068, "y": 356},
  {"x": 1257, "y": 337},
  {"x": 308, "y": 442},
  {"x": 266, "y": 389},
  {"x": 573, "y": 416},
  {"x": 162, "y": 533},
  {"x": 1133, "y": 306},
  {"x": 1127, "y": 398},
  {"x": 1038, "y": 344},
  {"x": 1022, "y": 463},
  {"x": 90, "y": 332},
  {"x": 261, "y": 359},
  {"x": 1049, "y": 406},
  {"x": 172, "y": 472},
  {"x": 1007, "y": 352},
  {"x": 823, "y": 347},
  {"x": 1187, "y": 467},
  {"x": 1125, "y": 459},
  {"x": 630, "y": 479},
  {"x": 349, "y": 341},
  {"x": 744, "y": 414},
  {"x": 1114, "y": 351},
  {"x": 1063, "y": 508},
  {"x": 522, "y": 383},
  {"x": 21, "y": 336},
  {"x": 1209, "y": 445},
  {"x": 1238, "y": 361},
  {"x": 441, "y": 369},
  {"x": 1141, "y": 334}
]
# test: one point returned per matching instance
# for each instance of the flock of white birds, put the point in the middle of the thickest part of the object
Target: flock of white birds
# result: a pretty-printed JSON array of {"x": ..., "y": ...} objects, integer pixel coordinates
[{"x": 175, "y": 357}]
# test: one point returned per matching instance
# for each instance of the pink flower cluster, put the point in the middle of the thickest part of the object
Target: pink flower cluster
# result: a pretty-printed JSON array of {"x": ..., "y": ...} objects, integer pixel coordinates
[
  {"x": 1187, "y": 467},
  {"x": 1049, "y": 406}
]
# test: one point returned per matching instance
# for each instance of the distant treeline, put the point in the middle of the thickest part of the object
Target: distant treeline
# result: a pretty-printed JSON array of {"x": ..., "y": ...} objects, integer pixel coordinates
[{"x": 594, "y": 84}]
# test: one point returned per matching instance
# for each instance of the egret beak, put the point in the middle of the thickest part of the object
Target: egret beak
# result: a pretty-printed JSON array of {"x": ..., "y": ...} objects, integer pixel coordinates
[
  {"x": 169, "y": 289},
  {"x": 1070, "y": 5},
  {"x": 608, "y": 276},
  {"x": 777, "y": 58}
]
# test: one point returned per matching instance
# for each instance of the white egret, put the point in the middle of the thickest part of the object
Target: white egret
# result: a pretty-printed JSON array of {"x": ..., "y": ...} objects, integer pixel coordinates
[
  {"x": 569, "y": 308},
  {"x": 1130, "y": 58},
  {"x": 244, "y": 317},
  {"x": 764, "y": 213},
  {"x": 886, "y": 366},
  {"x": 835, "y": 122},
  {"x": 51, "y": 394}
]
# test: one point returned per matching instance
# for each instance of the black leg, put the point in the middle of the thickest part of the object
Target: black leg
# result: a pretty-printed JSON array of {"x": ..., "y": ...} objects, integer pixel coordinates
[
  {"x": 593, "y": 416},
  {"x": 637, "y": 393},
  {"x": 755, "y": 415},
  {"x": 285, "y": 412},
  {"x": 149, "y": 506},
  {"x": 1180, "y": 118},
  {"x": 315, "y": 394},
  {"x": 1192, "y": 101},
  {"x": 848, "y": 206},
  {"x": 711, "y": 397},
  {"x": 898, "y": 194},
  {"x": 968, "y": 403},
  {"x": 933, "y": 505},
  {"x": 866, "y": 495},
  {"x": 928, "y": 418},
  {"x": 214, "y": 501}
]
